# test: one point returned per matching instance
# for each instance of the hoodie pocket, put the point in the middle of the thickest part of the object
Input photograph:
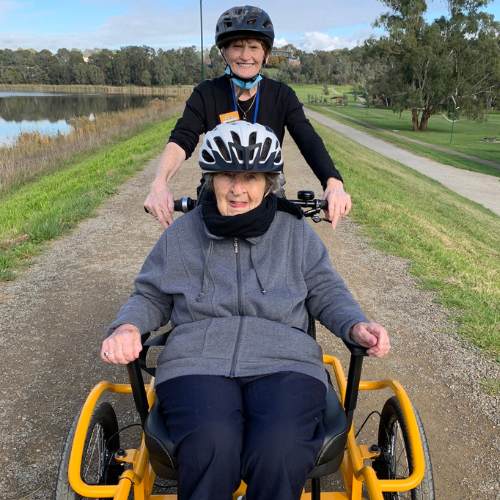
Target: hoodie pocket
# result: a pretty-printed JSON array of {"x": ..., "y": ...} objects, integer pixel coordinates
[
  {"x": 186, "y": 341},
  {"x": 220, "y": 337}
]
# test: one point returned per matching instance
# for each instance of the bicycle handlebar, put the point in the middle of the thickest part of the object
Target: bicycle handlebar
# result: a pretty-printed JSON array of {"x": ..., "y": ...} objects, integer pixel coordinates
[{"x": 310, "y": 206}]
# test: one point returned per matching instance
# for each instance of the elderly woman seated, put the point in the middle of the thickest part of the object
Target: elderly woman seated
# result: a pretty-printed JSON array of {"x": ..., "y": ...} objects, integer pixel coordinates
[{"x": 240, "y": 383}]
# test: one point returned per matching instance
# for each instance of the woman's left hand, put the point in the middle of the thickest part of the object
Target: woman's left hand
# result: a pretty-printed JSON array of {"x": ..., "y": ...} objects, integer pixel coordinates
[
  {"x": 339, "y": 202},
  {"x": 372, "y": 336}
]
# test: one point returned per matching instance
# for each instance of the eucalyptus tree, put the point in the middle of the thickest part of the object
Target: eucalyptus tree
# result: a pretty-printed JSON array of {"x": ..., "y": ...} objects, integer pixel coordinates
[{"x": 429, "y": 67}]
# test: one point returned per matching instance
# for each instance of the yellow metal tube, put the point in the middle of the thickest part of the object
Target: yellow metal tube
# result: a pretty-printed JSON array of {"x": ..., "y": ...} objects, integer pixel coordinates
[
  {"x": 415, "y": 443},
  {"x": 75, "y": 462},
  {"x": 372, "y": 484}
]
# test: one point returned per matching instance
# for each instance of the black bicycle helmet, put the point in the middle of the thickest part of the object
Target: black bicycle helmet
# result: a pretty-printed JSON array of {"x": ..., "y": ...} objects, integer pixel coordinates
[
  {"x": 241, "y": 146},
  {"x": 244, "y": 22}
]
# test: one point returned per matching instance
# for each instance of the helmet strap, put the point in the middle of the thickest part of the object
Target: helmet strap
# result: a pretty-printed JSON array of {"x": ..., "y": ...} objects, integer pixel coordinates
[{"x": 242, "y": 83}]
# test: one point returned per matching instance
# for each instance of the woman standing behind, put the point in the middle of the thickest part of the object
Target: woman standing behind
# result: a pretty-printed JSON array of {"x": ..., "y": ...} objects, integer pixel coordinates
[{"x": 245, "y": 36}]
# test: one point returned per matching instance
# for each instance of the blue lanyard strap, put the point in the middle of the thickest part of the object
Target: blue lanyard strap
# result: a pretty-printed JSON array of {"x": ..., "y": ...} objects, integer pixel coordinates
[
  {"x": 257, "y": 102},
  {"x": 256, "y": 109}
]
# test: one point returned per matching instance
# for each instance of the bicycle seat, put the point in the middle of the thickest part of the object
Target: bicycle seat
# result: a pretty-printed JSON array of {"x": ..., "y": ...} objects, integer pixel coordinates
[{"x": 161, "y": 447}]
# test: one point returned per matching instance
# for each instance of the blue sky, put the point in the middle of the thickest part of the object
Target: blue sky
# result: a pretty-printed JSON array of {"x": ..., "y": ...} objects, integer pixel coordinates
[{"x": 87, "y": 24}]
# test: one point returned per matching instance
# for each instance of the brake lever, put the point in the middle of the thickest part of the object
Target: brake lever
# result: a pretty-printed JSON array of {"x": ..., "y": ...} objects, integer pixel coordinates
[{"x": 313, "y": 214}]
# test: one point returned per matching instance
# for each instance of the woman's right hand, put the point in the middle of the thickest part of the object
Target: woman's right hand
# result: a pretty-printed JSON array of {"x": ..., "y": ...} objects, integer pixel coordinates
[
  {"x": 122, "y": 346},
  {"x": 160, "y": 203},
  {"x": 372, "y": 336}
]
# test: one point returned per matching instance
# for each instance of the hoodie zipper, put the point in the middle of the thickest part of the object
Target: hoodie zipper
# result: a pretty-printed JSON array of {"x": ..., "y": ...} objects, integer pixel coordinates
[{"x": 240, "y": 308}]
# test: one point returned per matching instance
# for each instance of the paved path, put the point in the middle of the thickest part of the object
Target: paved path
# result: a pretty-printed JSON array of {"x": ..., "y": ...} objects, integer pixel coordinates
[
  {"x": 428, "y": 145},
  {"x": 481, "y": 188}
]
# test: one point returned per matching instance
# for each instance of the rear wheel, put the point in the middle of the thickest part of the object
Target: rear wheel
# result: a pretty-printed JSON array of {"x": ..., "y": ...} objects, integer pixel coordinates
[
  {"x": 98, "y": 464},
  {"x": 395, "y": 461}
]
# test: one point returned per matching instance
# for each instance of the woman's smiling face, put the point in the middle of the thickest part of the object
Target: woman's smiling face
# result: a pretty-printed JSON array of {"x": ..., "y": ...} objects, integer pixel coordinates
[
  {"x": 237, "y": 193},
  {"x": 245, "y": 57}
]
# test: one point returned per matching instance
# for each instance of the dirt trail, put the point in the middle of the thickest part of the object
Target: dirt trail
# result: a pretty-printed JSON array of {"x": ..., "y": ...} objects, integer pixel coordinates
[{"x": 52, "y": 318}]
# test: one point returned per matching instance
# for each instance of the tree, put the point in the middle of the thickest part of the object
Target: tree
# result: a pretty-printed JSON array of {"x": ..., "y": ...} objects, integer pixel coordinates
[
  {"x": 216, "y": 64},
  {"x": 103, "y": 59},
  {"x": 427, "y": 64}
]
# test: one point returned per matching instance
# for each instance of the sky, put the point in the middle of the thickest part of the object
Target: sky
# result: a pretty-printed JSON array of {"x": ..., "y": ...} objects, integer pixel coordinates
[{"x": 88, "y": 24}]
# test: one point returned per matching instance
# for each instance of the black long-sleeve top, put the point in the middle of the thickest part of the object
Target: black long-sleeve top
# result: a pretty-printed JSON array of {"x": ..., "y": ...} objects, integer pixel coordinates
[{"x": 279, "y": 107}]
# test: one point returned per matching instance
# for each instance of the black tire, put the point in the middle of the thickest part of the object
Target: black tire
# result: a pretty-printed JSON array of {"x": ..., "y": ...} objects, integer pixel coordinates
[
  {"x": 98, "y": 466},
  {"x": 395, "y": 460}
]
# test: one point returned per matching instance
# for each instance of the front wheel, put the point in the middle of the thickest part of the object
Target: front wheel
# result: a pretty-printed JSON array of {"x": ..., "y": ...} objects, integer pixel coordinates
[
  {"x": 98, "y": 465},
  {"x": 395, "y": 461}
]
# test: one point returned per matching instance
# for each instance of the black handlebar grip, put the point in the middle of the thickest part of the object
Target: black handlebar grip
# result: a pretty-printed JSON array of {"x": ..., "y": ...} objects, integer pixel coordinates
[
  {"x": 184, "y": 204},
  {"x": 356, "y": 350}
]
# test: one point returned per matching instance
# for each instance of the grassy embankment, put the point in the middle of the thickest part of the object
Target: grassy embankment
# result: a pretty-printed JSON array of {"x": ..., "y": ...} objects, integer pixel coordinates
[
  {"x": 468, "y": 135},
  {"x": 452, "y": 244},
  {"x": 48, "y": 207}
]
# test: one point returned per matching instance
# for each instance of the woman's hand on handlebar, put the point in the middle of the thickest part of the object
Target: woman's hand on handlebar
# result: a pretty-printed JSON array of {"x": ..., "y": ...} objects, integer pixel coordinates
[
  {"x": 372, "y": 336},
  {"x": 160, "y": 204},
  {"x": 339, "y": 202},
  {"x": 122, "y": 346}
]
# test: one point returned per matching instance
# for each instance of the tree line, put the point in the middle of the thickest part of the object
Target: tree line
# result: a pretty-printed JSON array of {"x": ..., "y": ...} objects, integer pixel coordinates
[
  {"x": 149, "y": 67},
  {"x": 451, "y": 64},
  {"x": 132, "y": 65}
]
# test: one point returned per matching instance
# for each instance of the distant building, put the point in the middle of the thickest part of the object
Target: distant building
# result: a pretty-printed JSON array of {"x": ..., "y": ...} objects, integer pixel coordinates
[{"x": 286, "y": 54}]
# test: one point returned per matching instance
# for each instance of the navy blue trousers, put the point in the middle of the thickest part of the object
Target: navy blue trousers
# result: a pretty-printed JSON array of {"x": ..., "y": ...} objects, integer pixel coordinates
[{"x": 266, "y": 430}]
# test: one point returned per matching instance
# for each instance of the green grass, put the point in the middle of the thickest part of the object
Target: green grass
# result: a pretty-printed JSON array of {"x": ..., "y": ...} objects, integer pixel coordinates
[
  {"x": 44, "y": 209},
  {"x": 303, "y": 90},
  {"x": 468, "y": 135},
  {"x": 491, "y": 386},
  {"x": 452, "y": 244}
]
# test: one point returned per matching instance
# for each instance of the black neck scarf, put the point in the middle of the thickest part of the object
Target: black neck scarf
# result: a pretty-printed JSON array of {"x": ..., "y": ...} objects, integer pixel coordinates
[{"x": 250, "y": 224}]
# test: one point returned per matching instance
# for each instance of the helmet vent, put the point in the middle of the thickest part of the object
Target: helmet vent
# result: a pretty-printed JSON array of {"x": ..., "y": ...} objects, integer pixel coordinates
[
  {"x": 222, "y": 148},
  {"x": 207, "y": 156},
  {"x": 237, "y": 145},
  {"x": 268, "y": 24},
  {"x": 236, "y": 138},
  {"x": 252, "y": 140},
  {"x": 266, "y": 147},
  {"x": 252, "y": 21},
  {"x": 277, "y": 160}
]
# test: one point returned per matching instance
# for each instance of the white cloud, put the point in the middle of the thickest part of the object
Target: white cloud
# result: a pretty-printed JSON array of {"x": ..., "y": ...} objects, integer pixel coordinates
[
  {"x": 280, "y": 42},
  {"x": 314, "y": 40}
]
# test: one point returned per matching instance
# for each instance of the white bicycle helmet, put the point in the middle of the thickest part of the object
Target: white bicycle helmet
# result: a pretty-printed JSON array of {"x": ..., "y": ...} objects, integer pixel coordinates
[{"x": 241, "y": 146}]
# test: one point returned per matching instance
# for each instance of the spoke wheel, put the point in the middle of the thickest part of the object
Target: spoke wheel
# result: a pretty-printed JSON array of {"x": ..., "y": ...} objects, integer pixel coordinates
[
  {"x": 98, "y": 465},
  {"x": 395, "y": 461}
]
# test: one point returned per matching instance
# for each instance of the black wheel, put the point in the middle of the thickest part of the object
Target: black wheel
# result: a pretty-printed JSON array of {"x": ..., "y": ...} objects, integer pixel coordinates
[
  {"x": 98, "y": 465},
  {"x": 395, "y": 460}
]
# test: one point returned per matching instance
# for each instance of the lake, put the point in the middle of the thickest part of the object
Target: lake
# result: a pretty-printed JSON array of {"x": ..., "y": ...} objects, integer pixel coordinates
[{"x": 50, "y": 114}]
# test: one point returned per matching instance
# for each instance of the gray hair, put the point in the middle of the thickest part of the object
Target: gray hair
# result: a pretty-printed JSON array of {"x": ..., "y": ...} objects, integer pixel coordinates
[{"x": 273, "y": 183}]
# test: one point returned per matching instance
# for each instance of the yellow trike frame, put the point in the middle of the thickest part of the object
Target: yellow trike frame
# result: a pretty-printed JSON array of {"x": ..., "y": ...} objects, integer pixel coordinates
[{"x": 139, "y": 477}]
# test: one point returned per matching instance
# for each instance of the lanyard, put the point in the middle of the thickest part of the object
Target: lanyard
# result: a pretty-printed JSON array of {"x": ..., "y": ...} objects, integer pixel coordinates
[{"x": 257, "y": 101}]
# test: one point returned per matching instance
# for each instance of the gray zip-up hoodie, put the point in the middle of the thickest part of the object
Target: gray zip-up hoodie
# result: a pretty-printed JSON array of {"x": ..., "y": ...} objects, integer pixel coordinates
[{"x": 239, "y": 306}]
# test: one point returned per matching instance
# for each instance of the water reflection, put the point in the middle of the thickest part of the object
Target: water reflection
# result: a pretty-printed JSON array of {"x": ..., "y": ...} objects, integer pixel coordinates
[
  {"x": 49, "y": 113},
  {"x": 10, "y": 130}
]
